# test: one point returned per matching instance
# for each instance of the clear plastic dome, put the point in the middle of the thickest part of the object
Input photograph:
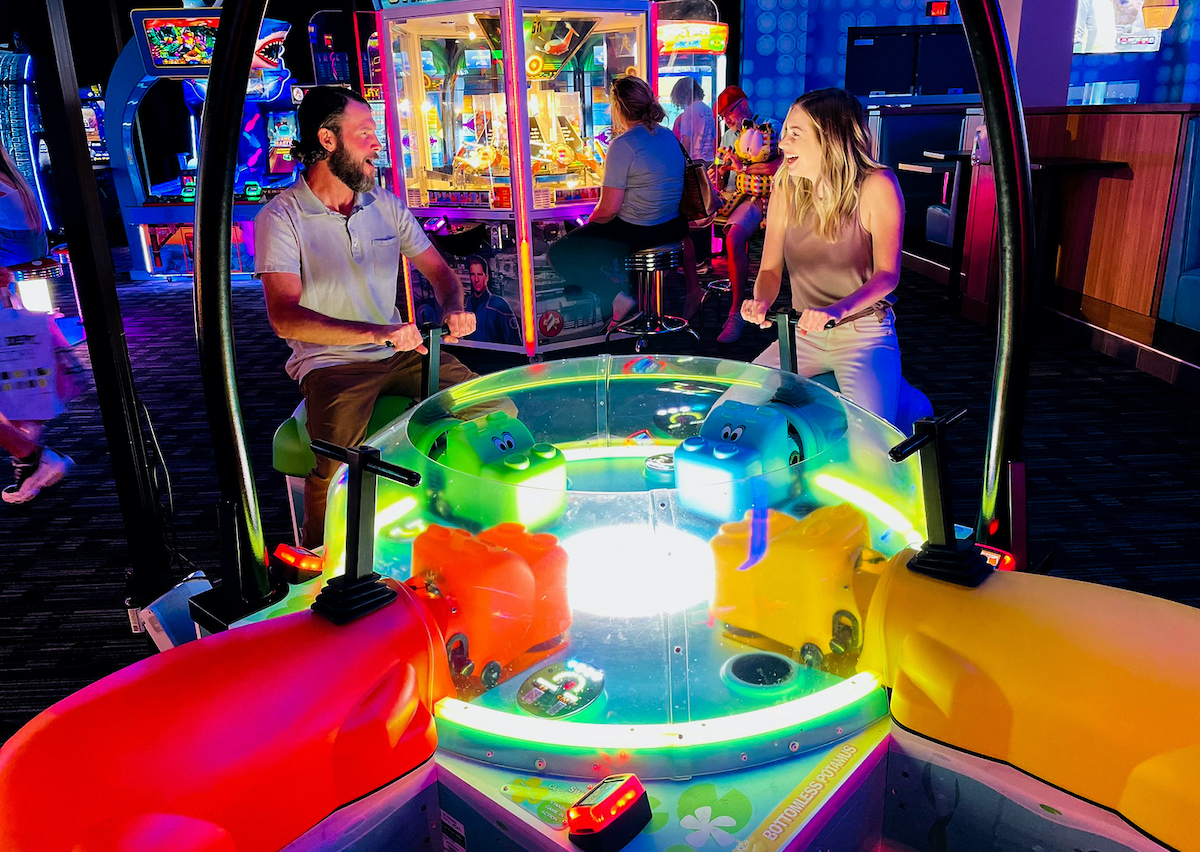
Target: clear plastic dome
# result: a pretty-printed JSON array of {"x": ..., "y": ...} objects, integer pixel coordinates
[{"x": 658, "y": 562}]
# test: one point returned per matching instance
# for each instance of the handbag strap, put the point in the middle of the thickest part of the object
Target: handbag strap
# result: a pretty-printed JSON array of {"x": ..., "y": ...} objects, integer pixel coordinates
[{"x": 686, "y": 158}]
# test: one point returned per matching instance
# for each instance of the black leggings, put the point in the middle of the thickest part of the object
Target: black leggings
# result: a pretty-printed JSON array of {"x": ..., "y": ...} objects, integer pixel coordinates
[{"x": 584, "y": 258}]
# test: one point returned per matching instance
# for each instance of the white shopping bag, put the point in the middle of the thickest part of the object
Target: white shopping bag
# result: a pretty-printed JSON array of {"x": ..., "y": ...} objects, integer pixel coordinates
[{"x": 28, "y": 387}]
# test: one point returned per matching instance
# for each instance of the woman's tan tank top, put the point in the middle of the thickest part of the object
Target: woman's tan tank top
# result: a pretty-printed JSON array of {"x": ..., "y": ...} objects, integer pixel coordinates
[{"x": 822, "y": 272}]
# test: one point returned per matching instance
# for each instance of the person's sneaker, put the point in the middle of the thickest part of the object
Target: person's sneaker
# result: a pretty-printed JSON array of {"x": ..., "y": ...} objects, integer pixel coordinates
[
  {"x": 732, "y": 329},
  {"x": 23, "y": 469},
  {"x": 36, "y": 473}
]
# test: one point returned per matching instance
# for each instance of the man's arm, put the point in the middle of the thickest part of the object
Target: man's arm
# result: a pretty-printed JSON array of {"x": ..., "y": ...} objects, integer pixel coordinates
[
  {"x": 293, "y": 321},
  {"x": 448, "y": 290}
]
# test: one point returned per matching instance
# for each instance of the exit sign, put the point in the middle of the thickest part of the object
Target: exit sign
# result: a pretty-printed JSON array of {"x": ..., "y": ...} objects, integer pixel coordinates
[{"x": 938, "y": 9}]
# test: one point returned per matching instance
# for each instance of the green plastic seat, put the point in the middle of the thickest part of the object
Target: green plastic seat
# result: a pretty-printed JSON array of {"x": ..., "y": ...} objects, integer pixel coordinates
[{"x": 291, "y": 454}]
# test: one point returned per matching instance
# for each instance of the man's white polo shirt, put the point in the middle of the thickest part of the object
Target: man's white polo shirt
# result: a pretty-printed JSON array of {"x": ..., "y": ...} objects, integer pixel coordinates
[{"x": 348, "y": 264}]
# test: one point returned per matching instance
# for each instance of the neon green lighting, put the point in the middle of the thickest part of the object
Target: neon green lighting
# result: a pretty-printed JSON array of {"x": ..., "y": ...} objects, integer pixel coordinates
[
  {"x": 872, "y": 504},
  {"x": 620, "y": 451},
  {"x": 390, "y": 514},
  {"x": 466, "y": 396},
  {"x": 755, "y": 723}
]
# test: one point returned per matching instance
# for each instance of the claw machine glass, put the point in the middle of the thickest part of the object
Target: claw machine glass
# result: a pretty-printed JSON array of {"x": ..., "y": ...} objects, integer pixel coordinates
[
  {"x": 694, "y": 49},
  {"x": 500, "y": 123}
]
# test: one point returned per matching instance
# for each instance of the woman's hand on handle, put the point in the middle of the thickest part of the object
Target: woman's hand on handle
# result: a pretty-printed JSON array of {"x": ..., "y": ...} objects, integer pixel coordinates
[
  {"x": 755, "y": 311},
  {"x": 817, "y": 319}
]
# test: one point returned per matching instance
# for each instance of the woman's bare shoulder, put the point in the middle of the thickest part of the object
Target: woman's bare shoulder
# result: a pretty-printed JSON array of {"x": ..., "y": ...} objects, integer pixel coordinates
[
  {"x": 880, "y": 189},
  {"x": 880, "y": 181}
]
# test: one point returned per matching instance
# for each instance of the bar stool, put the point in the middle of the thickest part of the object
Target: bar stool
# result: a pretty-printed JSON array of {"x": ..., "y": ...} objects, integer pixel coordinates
[{"x": 648, "y": 268}]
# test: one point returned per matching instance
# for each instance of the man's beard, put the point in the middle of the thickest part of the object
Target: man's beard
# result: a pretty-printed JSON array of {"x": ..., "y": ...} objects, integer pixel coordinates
[{"x": 349, "y": 172}]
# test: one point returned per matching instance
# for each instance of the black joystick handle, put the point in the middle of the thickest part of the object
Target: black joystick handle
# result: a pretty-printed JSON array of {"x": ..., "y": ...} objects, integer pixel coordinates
[
  {"x": 942, "y": 556},
  {"x": 358, "y": 590}
]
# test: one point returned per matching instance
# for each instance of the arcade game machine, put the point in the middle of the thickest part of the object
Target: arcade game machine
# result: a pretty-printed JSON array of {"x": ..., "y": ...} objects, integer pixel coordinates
[
  {"x": 21, "y": 128},
  {"x": 21, "y": 134},
  {"x": 92, "y": 101},
  {"x": 159, "y": 217},
  {"x": 693, "y": 49},
  {"x": 370, "y": 69},
  {"x": 500, "y": 123},
  {"x": 672, "y": 605},
  {"x": 696, "y": 571},
  {"x": 334, "y": 45}
]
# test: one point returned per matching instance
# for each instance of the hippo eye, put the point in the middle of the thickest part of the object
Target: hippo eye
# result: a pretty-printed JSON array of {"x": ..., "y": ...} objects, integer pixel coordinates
[
  {"x": 736, "y": 433},
  {"x": 508, "y": 440},
  {"x": 726, "y": 431},
  {"x": 499, "y": 443}
]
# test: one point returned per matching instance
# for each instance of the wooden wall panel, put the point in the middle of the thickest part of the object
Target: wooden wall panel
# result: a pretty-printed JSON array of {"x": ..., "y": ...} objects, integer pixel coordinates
[{"x": 1114, "y": 223}]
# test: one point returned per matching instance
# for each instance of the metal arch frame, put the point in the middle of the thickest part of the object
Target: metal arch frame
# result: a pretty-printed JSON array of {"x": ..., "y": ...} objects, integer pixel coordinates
[
  {"x": 1001, "y": 520},
  {"x": 243, "y": 549},
  {"x": 246, "y": 585}
]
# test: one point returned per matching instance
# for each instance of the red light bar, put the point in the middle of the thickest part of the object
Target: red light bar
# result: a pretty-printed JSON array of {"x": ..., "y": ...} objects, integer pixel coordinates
[
  {"x": 295, "y": 564},
  {"x": 938, "y": 9},
  {"x": 999, "y": 559},
  {"x": 609, "y": 815}
]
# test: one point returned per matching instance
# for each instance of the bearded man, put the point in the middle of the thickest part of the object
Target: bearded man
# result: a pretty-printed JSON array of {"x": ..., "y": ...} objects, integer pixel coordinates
[{"x": 328, "y": 255}]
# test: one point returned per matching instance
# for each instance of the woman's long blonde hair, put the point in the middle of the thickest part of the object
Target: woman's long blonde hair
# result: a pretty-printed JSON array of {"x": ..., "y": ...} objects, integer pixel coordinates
[
  {"x": 11, "y": 175},
  {"x": 841, "y": 127}
]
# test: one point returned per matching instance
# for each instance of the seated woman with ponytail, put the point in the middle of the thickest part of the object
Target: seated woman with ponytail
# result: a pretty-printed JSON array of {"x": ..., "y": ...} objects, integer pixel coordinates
[{"x": 639, "y": 200}]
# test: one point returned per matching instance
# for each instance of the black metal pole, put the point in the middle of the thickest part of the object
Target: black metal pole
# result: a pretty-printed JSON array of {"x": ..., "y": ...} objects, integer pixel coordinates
[
  {"x": 241, "y": 21},
  {"x": 1005, "y": 120},
  {"x": 148, "y": 574}
]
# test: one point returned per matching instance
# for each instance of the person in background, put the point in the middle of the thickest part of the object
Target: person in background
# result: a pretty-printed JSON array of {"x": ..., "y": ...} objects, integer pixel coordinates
[
  {"x": 836, "y": 220},
  {"x": 745, "y": 180},
  {"x": 328, "y": 256},
  {"x": 695, "y": 126},
  {"x": 639, "y": 202},
  {"x": 23, "y": 239},
  {"x": 494, "y": 319},
  {"x": 697, "y": 132}
]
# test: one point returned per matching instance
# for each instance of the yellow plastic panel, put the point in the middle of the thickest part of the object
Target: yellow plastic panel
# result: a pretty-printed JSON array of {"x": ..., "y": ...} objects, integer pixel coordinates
[{"x": 1093, "y": 689}]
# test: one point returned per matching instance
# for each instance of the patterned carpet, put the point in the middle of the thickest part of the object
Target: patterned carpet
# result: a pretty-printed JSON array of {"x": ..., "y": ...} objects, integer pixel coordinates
[{"x": 1114, "y": 486}]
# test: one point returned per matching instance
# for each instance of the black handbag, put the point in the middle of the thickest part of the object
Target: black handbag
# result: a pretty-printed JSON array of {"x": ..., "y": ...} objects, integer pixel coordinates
[{"x": 699, "y": 201}]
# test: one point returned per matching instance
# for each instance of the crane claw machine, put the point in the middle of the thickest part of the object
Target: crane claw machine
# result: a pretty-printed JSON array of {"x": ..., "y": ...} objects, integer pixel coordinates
[{"x": 500, "y": 122}]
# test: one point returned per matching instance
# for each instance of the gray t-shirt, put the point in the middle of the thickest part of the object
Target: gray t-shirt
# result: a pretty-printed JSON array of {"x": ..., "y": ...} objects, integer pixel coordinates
[
  {"x": 649, "y": 167},
  {"x": 348, "y": 264}
]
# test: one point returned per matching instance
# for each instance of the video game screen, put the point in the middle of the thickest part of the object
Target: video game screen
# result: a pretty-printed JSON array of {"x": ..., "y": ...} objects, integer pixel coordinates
[
  {"x": 281, "y": 132},
  {"x": 180, "y": 42},
  {"x": 1114, "y": 26}
]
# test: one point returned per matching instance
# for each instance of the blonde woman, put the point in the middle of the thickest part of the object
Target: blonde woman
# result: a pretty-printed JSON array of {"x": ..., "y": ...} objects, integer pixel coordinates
[{"x": 835, "y": 219}]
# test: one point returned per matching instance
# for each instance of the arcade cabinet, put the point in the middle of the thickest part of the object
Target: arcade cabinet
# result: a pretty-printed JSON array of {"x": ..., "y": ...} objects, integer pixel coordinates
[
  {"x": 500, "y": 124},
  {"x": 159, "y": 216},
  {"x": 332, "y": 39},
  {"x": 672, "y": 605},
  {"x": 21, "y": 128},
  {"x": 693, "y": 49}
]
